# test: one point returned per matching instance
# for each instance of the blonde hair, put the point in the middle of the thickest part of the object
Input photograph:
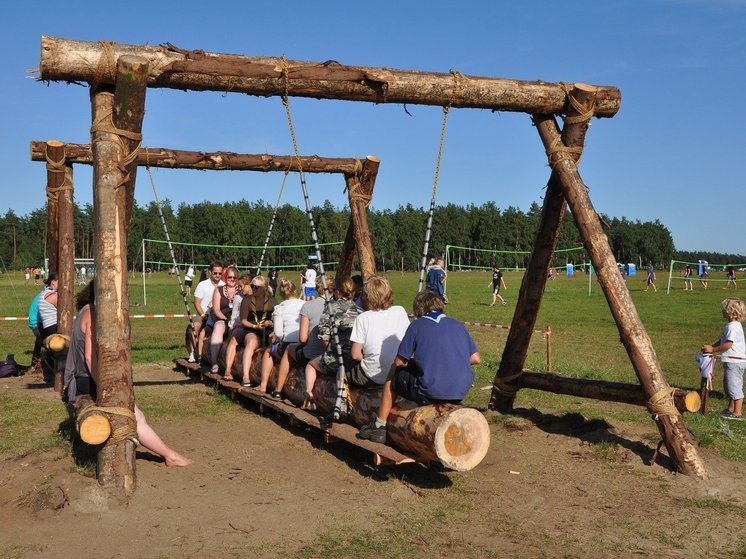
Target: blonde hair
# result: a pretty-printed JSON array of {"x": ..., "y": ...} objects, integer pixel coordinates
[
  {"x": 287, "y": 289},
  {"x": 377, "y": 294},
  {"x": 734, "y": 309}
]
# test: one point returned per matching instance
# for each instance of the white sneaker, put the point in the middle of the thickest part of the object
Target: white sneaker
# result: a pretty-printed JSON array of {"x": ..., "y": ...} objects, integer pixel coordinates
[{"x": 191, "y": 358}]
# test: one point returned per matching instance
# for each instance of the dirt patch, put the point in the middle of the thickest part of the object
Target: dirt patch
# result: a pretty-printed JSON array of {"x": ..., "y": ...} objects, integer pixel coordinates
[{"x": 550, "y": 486}]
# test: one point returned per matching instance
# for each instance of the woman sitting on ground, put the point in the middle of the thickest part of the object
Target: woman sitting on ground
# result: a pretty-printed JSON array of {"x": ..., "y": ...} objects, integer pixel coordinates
[
  {"x": 343, "y": 312},
  {"x": 286, "y": 320},
  {"x": 235, "y": 328},
  {"x": 222, "y": 306},
  {"x": 256, "y": 319},
  {"x": 81, "y": 376}
]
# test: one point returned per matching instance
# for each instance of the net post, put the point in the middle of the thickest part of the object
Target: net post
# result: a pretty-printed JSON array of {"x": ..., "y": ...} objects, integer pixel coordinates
[{"x": 670, "y": 274}]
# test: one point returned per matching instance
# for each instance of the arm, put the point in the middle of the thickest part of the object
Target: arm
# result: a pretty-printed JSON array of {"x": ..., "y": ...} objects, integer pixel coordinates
[
  {"x": 216, "y": 305},
  {"x": 717, "y": 347},
  {"x": 356, "y": 351},
  {"x": 198, "y": 306},
  {"x": 304, "y": 329},
  {"x": 278, "y": 323},
  {"x": 86, "y": 325}
]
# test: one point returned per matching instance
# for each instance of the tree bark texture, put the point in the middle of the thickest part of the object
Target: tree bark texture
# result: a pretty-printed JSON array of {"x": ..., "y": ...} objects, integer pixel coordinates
[
  {"x": 534, "y": 280},
  {"x": 216, "y": 161},
  {"x": 684, "y": 400},
  {"x": 360, "y": 192},
  {"x": 75, "y": 61},
  {"x": 111, "y": 200},
  {"x": 54, "y": 155},
  {"x": 635, "y": 339},
  {"x": 66, "y": 268}
]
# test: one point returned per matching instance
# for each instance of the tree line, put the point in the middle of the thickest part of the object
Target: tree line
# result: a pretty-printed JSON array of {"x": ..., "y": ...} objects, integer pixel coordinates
[{"x": 398, "y": 234}]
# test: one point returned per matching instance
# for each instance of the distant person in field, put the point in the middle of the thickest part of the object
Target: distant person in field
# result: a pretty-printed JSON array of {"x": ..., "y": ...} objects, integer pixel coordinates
[
  {"x": 497, "y": 282},
  {"x": 730, "y": 274},
  {"x": 309, "y": 283},
  {"x": 650, "y": 281},
  {"x": 703, "y": 271},
  {"x": 688, "y": 285},
  {"x": 435, "y": 278},
  {"x": 433, "y": 363},
  {"x": 732, "y": 349},
  {"x": 188, "y": 280},
  {"x": 81, "y": 376},
  {"x": 272, "y": 277},
  {"x": 26, "y": 275},
  {"x": 37, "y": 275}
]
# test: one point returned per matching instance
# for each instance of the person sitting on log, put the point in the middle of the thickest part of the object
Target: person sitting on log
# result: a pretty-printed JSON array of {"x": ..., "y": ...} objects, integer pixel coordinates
[
  {"x": 286, "y": 320},
  {"x": 376, "y": 333},
  {"x": 236, "y": 329},
  {"x": 343, "y": 312},
  {"x": 81, "y": 377},
  {"x": 309, "y": 345},
  {"x": 433, "y": 363},
  {"x": 256, "y": 318},
  {"x": 222, "y": 307},
  {"x": 203, "y": 320}
]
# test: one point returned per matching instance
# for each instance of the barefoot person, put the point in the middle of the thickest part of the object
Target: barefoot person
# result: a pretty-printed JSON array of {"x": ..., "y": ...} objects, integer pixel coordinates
[{"x": 82, "y": 378}]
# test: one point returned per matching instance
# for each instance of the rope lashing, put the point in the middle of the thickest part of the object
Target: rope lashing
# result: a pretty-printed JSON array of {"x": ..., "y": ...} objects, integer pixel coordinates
[
  {"x": 107, "y": 64},
  {"x": 585, "y": 112},
  {"x": 341, "y": 405},
  {"x": 662, "y": 403},
  {"x": 57, "y": 167},
  {"x": 428, "y": 229},
  {"x": 128, "y": 431},
  {"x": 105, "y": 123},
  {"x": 502, "y": 385},
  {"x": 170, "y": 246}
]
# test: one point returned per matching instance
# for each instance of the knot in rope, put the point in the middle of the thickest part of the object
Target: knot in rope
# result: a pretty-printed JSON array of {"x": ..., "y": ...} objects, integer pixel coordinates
[
  {"x": 585, "y": 112},
  {"x": 105, "y": 123},
  {"x": 557, "y": 151},
  {"x": 57, "y": 167},
  {"x": 661, "y": 403}
]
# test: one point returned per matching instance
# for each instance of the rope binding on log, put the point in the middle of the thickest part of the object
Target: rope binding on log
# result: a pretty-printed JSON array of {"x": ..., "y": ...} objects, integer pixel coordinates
[
  {"x": 128, "y": 431},
  {"x": 57, "y": 167},
  {"x": 661, "y": 403},
  {"x": 504, "y": 387}
]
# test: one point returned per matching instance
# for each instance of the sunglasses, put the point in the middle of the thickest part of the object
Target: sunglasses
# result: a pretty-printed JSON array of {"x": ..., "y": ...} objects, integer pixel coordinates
[
  {"x": 217, "y": 273},
  {"x": 256, "y": 285},
  {"x": 230, "y": 277}
]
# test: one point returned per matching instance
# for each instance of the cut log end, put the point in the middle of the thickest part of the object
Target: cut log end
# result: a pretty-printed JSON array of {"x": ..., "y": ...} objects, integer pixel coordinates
[
  {"x": 372, "y": 158},
  {"x": 462, "y": 439},
  {"x": 94, "y": 429},
  {"x": 692, "y": 401}
]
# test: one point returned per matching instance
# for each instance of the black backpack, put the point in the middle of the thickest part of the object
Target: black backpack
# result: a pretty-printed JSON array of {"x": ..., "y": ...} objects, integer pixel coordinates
[{"x": 9, "y": 367}]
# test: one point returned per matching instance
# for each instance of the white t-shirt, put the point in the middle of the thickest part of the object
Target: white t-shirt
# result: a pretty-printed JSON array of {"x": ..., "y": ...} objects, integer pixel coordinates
[
  {"x": 189, "y": 274},
  {"x": 204, "y": 291},
  {"x": 733, "y": 332},
  {"x": 286, "y": 319},
  {"x": 380, "y": 332},
  {"x": 310, "y": 278}
]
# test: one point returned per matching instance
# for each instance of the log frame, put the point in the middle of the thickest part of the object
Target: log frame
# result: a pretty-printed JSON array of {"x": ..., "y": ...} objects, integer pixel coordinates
[{"x": 171, "y": 67}]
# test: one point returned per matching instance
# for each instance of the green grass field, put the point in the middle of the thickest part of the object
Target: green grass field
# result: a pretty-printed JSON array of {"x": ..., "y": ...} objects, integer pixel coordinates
[{"x": 585, "y": 340}]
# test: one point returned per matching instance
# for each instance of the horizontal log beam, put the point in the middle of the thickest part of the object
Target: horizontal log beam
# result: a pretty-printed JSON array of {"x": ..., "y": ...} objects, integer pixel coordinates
[
  {"x": 215, "y": 161},
  {"x": 170, "y": 67},
  {"x": 685, "y": 400}
]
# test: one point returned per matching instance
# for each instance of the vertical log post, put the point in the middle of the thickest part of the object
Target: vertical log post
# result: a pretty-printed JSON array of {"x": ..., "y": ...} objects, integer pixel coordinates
[
  {"x": 65, "y": 267},
  {"x": 635, "y": 339},
  {"x": 55, "y": 182},
  {"x": 360, "y": 192},
  {"x": 506, "y": 384},
  {"x": 117, "y": 121}
]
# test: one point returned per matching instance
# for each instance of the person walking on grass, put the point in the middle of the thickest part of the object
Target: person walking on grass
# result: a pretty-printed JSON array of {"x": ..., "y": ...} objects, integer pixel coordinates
[
  {"x": 732, "y": 349},
  {"x": 497, "y": 281},
  {"x": 650, "y": 281},
  {"x": 730, "y": 274},
  {"x": 688, "y": 285}
]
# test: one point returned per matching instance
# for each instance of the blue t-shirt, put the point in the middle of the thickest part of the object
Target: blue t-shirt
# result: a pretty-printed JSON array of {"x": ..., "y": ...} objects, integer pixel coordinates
[{"x": 441, "y": 348}]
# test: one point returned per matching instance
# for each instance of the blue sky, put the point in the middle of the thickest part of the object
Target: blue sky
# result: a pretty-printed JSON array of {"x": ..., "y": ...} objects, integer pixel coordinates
[{"x": 673, "y": 152}]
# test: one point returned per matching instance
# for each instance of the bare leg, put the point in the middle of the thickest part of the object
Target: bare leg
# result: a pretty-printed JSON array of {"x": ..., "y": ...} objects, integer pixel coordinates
[
  {"x": 230, "y": 356},
  {"x": 267, "y": 365},
  {"x": 387, "y": 398},
  {"x": 251, "y": 343},
  {"x": 312, "y": 367},
  {"x": 283, "y": 370},
  {"x": 216, "y": 340},
  {"x": 150, "y": 440}
]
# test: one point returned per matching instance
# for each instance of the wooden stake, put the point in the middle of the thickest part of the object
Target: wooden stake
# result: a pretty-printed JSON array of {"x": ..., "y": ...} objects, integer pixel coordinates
[
  {"x": 116, "y": 461},
  {"x": 358, "y": 239},
  {"x": 66, "y": 268},
  {"x": 55, "y": 157}
]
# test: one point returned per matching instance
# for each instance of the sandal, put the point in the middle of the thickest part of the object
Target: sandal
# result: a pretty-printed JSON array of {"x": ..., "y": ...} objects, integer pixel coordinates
[
  {"x": 227, "y": 376},
  {"x": 215, "y": 369},
  {"x": 276, "y": 395},
  {"x": 308, "y": 404}
]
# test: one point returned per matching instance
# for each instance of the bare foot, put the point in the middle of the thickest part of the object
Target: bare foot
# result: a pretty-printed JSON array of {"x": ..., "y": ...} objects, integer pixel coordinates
[{"x": 176, "y": 460}]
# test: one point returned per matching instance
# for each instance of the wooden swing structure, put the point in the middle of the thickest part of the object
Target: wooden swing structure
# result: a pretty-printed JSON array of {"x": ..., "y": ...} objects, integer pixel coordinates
[{"x": 119, "y": 76}]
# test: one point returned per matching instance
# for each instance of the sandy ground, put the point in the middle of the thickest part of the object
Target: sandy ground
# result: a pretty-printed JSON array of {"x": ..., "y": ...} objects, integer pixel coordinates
[{"x": 259, "y": 488}]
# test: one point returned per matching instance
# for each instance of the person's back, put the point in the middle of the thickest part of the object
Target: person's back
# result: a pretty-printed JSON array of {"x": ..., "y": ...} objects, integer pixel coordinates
[{"x": 434, "y": 279}]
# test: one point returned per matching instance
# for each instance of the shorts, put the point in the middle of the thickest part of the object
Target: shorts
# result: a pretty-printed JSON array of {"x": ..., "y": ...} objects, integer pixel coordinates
[
  {"x": 188, "y": 282},
  {"x": 309, "y": 291},
  {"x": 356, "y": 377},
  {"x": 37, "y": 276},
  {"x": 733, "y": 380},
  {"x": 407, "y": 385},
  {"x": 495, "y": 289},
  {"x": 300, "y": 358}
]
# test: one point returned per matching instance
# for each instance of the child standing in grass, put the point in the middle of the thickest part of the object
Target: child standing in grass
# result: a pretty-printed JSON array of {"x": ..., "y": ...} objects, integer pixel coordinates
[{"x": 732, "y": 349}]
